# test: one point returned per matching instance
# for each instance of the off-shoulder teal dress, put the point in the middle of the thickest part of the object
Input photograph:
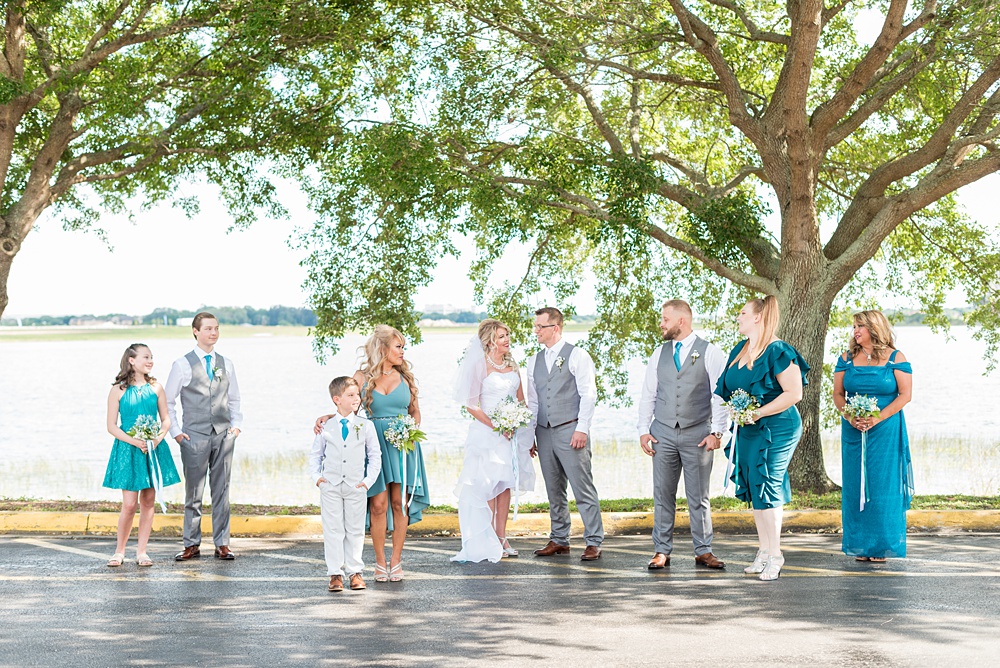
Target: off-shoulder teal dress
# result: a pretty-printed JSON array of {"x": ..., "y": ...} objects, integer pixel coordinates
[
  {"x": 880, "y": 529},
  {"x": 128, "y": 467},
  {"x": 764, "y": 449},
  {"x": 384, "y": 408}
]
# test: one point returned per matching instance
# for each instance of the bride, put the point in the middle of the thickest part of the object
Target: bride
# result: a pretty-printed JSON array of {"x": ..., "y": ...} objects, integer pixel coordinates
[{"x": 486, "y": 376}]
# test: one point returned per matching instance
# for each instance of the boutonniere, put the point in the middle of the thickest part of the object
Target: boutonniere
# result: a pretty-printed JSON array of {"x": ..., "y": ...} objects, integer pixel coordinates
[
  {"x": 559, "y": 361},
  {"x": 694, "y": 356},
  {"x": 357, "y": 430},
  {"x": 217, "y": 372}
]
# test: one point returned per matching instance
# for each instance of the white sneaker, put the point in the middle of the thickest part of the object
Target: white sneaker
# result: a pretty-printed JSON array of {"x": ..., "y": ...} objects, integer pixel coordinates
[
  {"x": 772, "y": 568},
  {"x": 758, "y": 563}
]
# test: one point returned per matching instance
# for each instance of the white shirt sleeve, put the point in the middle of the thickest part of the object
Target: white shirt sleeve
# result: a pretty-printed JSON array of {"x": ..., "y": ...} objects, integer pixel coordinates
[
  {"x": 530, "y": 395},
  {"x": 582, "y": 368},
  {"x": 715, "y": 365},
  {"x": 316, "y": 458},
  {"x": 647, "y": 400},
  {"x": 180, "y": 376},
  {"x": 235, "y": 416},
  {"x": 374, "y": 454}
]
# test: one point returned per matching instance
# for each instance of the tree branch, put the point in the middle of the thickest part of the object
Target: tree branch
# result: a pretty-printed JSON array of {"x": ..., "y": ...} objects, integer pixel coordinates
[
  {"x": 756, "y": 33},
  {"x": 583, "y": 90}
]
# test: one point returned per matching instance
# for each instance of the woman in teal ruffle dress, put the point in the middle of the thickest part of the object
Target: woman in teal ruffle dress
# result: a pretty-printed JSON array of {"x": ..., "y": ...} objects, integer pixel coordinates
[
  {"x": 135, "y": 394},
  {"x": 774, "y": 373},
  {"x": 877, "y": 479}
]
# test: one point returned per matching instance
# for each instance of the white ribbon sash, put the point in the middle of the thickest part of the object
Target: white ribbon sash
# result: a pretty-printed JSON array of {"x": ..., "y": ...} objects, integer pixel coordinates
[
  {"x": 864, "y": 466},
  {"x": 156, "y": 473},
  {"x": 517, "y": 474},
  {"x": 730, "y": 465}
]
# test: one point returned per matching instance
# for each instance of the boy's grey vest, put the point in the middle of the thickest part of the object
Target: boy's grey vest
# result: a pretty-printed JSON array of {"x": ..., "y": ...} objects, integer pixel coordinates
[
  {"x": 206, "y": 402},
  {"x": 558, "y": 398},
  {"x": 344, "y": 461},
  {"x": 683, "y": 398}
]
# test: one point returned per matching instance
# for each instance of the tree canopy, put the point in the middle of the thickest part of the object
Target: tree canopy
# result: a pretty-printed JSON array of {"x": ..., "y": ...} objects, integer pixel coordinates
[{"x": 705, "y": 149}]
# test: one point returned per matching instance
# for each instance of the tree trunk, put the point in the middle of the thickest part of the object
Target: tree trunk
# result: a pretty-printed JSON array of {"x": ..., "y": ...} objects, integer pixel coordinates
[
  {"x": 805, "y": 317},
  {"x": 5, "y": 261}
]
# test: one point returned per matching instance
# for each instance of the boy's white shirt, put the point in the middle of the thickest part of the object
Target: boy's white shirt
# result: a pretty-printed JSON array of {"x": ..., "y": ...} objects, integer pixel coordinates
[{"x": 366, "y": 436}]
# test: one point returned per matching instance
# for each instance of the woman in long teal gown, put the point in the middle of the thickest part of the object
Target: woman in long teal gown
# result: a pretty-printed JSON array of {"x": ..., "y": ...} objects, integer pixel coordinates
[
  {"x": 874, "y": 512},
  {"x": 774, "y": 373},
  {"x": 135, "y": 394}
]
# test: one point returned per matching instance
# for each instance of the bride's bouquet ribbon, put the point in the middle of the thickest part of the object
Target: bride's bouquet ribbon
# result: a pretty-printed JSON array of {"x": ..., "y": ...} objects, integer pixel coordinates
[
  {"x": 507, "y": 417},
  {"x": 156, "y": 473},
  {"x": 515, "y": 460}
]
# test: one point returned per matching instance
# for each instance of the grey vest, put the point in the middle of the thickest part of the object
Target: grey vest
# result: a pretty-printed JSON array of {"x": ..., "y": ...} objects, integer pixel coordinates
[
  {"x": 206, "y": 402},
  {"x": 558, "y": 398},
  {"x": 683, "y": 398}
]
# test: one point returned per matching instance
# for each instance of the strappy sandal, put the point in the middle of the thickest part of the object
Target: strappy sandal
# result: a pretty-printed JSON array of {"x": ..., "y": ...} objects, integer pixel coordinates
[
  {"x": 877, "y": 560},
  {"x": 143, "y": 560},
  {"x": 396, "y": 573},
  {"x": 116, "y": 560},
  {"x": 381, "y": 573}
]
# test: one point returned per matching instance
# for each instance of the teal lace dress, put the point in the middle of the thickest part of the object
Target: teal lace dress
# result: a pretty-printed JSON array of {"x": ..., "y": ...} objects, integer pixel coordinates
[
  {"x": 764, "y": 449},
  {"x": 384, "y": 408},
  {"x": 878, "y": 530},
  {"x": 128, "y": 467}
]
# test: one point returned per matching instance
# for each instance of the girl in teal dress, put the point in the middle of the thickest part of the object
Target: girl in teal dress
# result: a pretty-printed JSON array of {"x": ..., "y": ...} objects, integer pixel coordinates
[
  {"x": 388, "y": 390},
  {"x": 774, "y": 373},
  {"x": 136, "y": 394},
  {"x": 874, "y": 513}
]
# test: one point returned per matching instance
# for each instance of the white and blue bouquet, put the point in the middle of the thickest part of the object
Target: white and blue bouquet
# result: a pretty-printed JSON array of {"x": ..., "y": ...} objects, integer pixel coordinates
[
  {"x": 403, "y": 433},
  {"x": 509, "y": 416},
  {"x": 146, "y": 427},
  {"x": 741, "y": 407},
  {"x": 861, "y": 406}
]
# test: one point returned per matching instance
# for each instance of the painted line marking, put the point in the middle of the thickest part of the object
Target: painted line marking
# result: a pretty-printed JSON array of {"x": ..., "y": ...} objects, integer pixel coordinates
[{"x": 63, "y": 548}]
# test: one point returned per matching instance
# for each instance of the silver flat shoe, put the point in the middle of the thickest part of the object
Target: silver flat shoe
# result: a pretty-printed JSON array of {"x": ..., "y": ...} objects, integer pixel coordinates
[
  {"x": 508, "y": 551},
  {"x": 758, "y": 563}
]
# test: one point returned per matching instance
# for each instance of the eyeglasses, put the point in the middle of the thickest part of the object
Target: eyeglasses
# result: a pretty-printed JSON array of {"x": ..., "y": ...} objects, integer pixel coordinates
[{"x": 538, "y": 327}]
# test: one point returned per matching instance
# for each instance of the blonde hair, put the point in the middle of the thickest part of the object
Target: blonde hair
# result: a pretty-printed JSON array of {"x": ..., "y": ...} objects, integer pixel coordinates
[
  {"x": 879, "y": 330},
  {"x": 374, "y": 353},
  {"x": 488, "y": 337},
  {"x": 767, "y": 308}
]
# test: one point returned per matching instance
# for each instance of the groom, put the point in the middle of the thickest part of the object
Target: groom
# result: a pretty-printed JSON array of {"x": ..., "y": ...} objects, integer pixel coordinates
[
  {"x": 562, "y": 393},
  {"x": 681, "y": 422},
  {"x": 205, "y": 381}
]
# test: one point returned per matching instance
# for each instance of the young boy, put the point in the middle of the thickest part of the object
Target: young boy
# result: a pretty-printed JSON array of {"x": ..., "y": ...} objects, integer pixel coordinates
[{"x": 339, "y": 468}]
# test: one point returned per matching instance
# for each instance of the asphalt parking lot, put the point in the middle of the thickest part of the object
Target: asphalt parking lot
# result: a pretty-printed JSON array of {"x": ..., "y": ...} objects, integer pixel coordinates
[{"x": 59, "y": 605}]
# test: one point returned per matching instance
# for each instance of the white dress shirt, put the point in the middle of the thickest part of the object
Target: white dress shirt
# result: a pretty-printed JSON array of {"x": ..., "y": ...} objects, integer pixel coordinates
[
  {"x": 180, "y": 376},
  {"x": 714, "y": 364},
  {"x": 581, "y": 366},
  {"x": 361, "y": 433}
]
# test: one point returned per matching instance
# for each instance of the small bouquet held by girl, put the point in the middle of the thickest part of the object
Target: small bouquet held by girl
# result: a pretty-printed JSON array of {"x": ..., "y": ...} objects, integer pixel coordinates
[
  {"x": 509, "y": 416},
  {"x": 862, "y": 406},
  {"x": 403, "y": 433},
  {"x": 742, "y": 408},
  {"x": 147, "y": 428}
]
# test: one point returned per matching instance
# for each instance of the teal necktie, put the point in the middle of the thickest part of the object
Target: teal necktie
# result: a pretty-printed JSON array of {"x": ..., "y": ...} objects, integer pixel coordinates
[
  {"x": 677, "y": 356},
  {"x": 208, "y": 367},
  {"x": 343, "y": 428}
]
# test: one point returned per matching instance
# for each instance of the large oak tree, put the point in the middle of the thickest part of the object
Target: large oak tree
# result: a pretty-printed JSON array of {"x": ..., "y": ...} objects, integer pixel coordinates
[{"x": 647, "y": 142}]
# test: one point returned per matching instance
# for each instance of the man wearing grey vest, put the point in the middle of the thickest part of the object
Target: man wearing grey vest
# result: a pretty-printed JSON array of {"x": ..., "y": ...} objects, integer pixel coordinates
[
  {"x": 205, "y": 381},
  {"x": 562, "y": 394},
  {"x": 681, "y": 422}
]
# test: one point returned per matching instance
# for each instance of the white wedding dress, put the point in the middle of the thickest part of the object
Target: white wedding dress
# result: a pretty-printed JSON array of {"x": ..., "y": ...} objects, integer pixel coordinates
[{"x": 488, "y": 470}]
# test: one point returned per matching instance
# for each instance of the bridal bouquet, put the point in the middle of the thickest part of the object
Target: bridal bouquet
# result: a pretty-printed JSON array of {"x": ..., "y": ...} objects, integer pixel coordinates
[
  {"x": 403, "y": 433},
  {"x": 861, "y": 406},
  {"x": 741, "y": 407},
  {"x": 146, "y": 427},
  {"x": 509, "y": 416}
]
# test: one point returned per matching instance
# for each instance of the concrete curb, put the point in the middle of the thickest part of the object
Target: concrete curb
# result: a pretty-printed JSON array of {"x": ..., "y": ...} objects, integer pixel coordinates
[{"x": 738, "y": 522}]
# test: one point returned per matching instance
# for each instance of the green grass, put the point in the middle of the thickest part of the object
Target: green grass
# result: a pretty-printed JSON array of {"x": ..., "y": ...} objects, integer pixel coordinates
[{"x": 141, "y": 333}]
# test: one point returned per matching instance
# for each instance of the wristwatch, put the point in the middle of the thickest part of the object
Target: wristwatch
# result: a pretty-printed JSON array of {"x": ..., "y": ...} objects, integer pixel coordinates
[{"x": 717, "y": 434}]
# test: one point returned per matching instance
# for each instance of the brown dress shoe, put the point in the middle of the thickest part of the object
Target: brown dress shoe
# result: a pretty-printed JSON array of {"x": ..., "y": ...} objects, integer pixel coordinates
[
  {"x": 189, "y": 553},
  {"x": 336, "y": 583},
  {"x": 658, "y": 561},
  {"x": 223, "y": 552},
  {"x": 592, "y": 553},
  {"x": 708, "y": 560},
  {"x": 357, "y": 582},
  {"x": 551, "y": 549}
]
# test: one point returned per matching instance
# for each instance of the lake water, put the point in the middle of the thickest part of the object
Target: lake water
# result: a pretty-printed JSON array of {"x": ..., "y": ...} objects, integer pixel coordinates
[{"x": 53, "y": 398}]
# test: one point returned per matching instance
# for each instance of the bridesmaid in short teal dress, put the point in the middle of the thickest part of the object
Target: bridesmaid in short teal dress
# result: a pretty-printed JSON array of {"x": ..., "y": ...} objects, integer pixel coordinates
[
  {"x": 136, "y": 394},
  {"x": 763, "y": 449},
  {"x": 873, "y": 367}
]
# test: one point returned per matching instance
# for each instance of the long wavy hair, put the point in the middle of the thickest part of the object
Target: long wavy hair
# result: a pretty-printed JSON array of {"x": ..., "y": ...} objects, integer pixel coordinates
[
  {"x": 126, "y": 374},
  {"x": 374, "y": 354},
  {"x": 883, "y": 339},
  {"x": 488, "y": 330},
  {"x": 767, "y": 308}
]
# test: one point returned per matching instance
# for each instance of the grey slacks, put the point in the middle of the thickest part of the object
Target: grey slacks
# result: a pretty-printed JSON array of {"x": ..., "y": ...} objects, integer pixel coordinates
[
  {"x": 207, "y": 457},
  {"x": 560, "y": 463},
  {"x": 676, "y": 450}
]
